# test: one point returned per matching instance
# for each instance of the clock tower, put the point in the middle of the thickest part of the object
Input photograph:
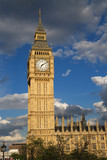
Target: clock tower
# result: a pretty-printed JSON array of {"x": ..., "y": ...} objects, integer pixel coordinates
[{"x": 40, "y": 77}]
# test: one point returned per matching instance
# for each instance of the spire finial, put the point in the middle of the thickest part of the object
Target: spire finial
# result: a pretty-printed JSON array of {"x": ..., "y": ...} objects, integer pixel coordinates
[
  {"x": 39, "y": 16},
  {"x": 40, "y": 27}
]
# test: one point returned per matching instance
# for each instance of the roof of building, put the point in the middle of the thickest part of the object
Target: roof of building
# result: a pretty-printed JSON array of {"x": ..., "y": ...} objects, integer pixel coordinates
[
  {"x": 19, "y": 143},
  {"x": 41, "y": 45}
]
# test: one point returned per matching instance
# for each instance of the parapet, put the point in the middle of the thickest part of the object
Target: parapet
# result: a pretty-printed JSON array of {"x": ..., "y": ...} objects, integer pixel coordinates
[{"x": 79, "y": 126}]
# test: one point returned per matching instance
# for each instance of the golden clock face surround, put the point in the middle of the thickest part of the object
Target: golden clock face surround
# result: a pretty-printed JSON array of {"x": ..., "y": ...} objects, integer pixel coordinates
[{"x": 42, "y": 65}]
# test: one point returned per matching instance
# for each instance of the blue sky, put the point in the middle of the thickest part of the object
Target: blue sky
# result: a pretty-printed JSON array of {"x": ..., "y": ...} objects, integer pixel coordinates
[{"x": 78, "y": 32}]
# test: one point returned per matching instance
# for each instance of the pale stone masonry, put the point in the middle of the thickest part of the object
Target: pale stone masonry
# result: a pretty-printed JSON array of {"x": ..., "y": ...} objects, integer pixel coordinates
[
  {"x": 77, "y": 133},
  {"x": 41, "y": 123}
]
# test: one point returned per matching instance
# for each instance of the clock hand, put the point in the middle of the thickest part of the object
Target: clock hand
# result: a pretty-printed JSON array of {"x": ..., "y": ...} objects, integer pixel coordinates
[{"x": 44, "y": 63}]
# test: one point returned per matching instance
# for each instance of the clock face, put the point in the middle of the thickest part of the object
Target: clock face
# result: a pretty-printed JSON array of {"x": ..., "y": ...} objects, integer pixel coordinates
[{"x": 42, "y": 65}]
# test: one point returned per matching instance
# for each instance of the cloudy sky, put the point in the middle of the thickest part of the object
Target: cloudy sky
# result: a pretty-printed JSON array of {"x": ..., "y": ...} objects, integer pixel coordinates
[{"x": 78, "y": 33}]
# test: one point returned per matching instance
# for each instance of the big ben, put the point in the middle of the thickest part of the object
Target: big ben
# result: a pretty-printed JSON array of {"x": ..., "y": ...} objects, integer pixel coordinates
[{"x": 40, "y": 77}]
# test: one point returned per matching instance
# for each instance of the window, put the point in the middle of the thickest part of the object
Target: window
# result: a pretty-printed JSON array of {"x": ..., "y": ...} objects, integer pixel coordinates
[
  {"x": 44, "y": 88},
  {"x": 38, "y": 87},
  {"x": 44, "y": 105},
  {"x": 102, "y": 146},
  {"x": 94, "y": 146},
  {"x": 93, "y": 138},
  {"x": 40, "y": 37},
  {"x": 46, "y": 122},
  {"x": 102, "y": 137},
  {"x": 38, "y": 122}
]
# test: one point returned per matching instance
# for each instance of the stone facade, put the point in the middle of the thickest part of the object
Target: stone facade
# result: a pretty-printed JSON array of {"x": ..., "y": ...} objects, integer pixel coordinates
[
  {"x": 40, "y": 76},
  {"x": 77, "y": 134},
  {"x": 41, "y": 123}
]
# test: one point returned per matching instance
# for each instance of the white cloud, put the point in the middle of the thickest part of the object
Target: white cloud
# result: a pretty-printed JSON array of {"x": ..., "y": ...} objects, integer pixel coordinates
[
  {"x": 102, "y": 111},
  {"x": 4, "y": 121},
  {"x": 92, "y": 121},
  {"x": 100, "y": 107},
  {"x": 92, "y": 51},
  {"x": 57, "y": 103},
  {"x": 22, "y": 117},
  {"x": 67, "y": 73},
  {"x": 94, "y": 19},
  {"x": 12, "y": 123},
  {"x": 15, "y": 101},
  {"x": 102, "y": 29},
  {"x": 68, "y": 110},
  {"x": 88, "y": 50},
  {"x": 58, "y": 53},
  {"x": 66, "y": 52},
  {"x": 100, "y": 81},
  {"x": 20, "y": 121},
  {"x": 13, "y": 136}
]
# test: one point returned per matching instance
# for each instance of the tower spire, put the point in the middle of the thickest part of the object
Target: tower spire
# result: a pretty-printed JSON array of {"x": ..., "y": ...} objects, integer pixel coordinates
[
  {"x": 40, "y": 41},
  {"x": 40, "y": 26},
  {"x": 39, "y": 16}
]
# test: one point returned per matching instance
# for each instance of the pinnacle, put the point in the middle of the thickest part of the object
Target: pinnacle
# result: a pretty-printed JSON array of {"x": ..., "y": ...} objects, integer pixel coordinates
[{"x": 40, "y": 26}]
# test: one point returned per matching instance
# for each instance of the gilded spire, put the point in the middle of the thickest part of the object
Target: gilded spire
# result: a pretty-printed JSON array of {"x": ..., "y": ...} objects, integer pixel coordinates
[
  {"x": 40, "y": 27},
  {"x": 40, "y": 41},
  {"x": 39, "y": 16}
]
